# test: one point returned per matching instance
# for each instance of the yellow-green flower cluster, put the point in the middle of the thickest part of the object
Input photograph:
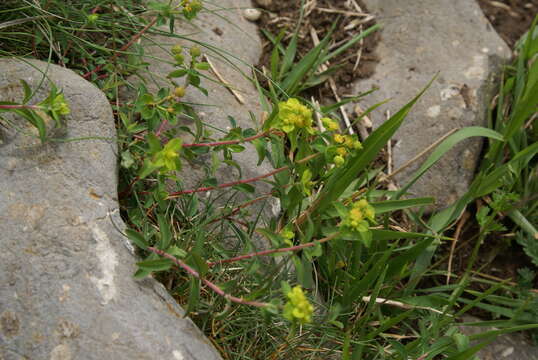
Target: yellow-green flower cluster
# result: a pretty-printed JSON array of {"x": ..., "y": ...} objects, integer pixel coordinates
[
  {"x": 294, "y": 115},
  {"x": 191, "y": 8},
  {"x": 60, "y": 106},
  {"x": 288, "y": 236},
  {"x": 298, "y": 308},
  {"x": 330, "y": 124},
  {"x": 167, "y": 159},
  {"x": 359, "y": 215},
  {"x": 346, "y": 144}
]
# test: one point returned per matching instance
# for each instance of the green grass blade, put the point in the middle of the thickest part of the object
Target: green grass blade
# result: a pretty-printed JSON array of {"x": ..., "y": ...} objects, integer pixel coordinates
[
  {"x": 394, "y": 205},
  {"x": 350, "y": 43},
  {"x": 372, "y": 145},
  {"x": 444, "y": 147}
]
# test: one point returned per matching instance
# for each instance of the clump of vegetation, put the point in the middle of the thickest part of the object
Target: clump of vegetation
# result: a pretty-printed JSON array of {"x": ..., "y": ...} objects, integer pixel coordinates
[{"x": 342, "y": 275}]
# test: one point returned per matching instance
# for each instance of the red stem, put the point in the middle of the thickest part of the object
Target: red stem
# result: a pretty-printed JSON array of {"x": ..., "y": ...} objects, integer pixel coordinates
[
  {"x": 230, "y": 142},
  {"x": 233, "y": 183},
  {"x": 123, "y": 48},
  {"x": 209, "y": 284},
  {"x": 272, "y": 251},
  {"x": 20, "y": 106}
]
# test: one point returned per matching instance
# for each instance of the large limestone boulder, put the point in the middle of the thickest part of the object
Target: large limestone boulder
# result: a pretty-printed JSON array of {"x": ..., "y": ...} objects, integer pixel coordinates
[
  {"x": 66, "y": 284},
  {"x": 420, "y": 39}
]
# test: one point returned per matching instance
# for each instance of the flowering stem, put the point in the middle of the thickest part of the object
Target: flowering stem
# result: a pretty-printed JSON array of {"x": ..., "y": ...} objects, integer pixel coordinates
[
  {"x": 123, "y": 48},
  {"x": 209, "y": 284},
  {"x": 20, "y": 106},
  {"x": 238, "y": 182},
  {"x": 237, "y": 209},
  {"x": 230, "y": 142},
  {"x": 273, "y": 251}
]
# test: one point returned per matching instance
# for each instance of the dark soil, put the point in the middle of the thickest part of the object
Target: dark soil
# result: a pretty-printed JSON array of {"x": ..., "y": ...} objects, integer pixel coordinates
[
  {"x": 284, "y": 14},
  {"x": 511, "y": 18}
]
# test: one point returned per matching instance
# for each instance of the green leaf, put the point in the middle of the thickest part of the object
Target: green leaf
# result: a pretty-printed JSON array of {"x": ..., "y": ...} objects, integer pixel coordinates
[
  {"x": 351, "y": 42},
  {"x": 292, "y": 81},
  {"x": 468, "y": 354},
  {"x": 140, "y": 273},
  {"x": 247, "y": 188},
  {"x": 276, "y": 239},
  {"x": 444, "y": 147},
  {"x": 154, "y": 143},
  {"x": 155, "y": 265},
  {"x": 166, "y": 235},
  {"x": 137, "y": 238},
  {"x": 147, "y": 168},
  {"x": 397, "y": 264},
  {"x": 289, "y": 55},
  {"x": 341, "y": 178},
  {"x": 177, "y": 73},
  {"x": 198, "y": 264},
  {"x": 27, "y": 91},
  {"x": 393, "y": 205},
  {"x": 201, "y": 66},
  {"x": 194, "y": 295}
]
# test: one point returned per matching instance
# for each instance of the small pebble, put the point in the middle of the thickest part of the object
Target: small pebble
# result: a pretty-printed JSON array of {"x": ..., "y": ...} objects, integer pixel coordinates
[{"x": 252, "y": 14}]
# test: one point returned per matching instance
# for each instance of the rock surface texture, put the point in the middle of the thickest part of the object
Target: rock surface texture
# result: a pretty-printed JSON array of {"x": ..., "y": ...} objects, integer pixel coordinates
[
  {"x": 420, "y": 39},
  {"x": 66, "y": 284},
  {"x": 513, "y": 346}
]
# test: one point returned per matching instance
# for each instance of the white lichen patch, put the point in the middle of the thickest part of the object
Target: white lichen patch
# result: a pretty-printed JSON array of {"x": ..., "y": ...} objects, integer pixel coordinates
[
  {"x": 478, "y": 70},
  {"x": 178, "y": 355},
  {"x": 61, "y": 352},
  {"x": 433, "y": 111},
  {"x": 450, "y": 92},
  {"x": 108, "y": 261}
]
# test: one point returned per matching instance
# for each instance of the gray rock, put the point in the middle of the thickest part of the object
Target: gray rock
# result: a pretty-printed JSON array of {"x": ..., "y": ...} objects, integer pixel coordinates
[
  {"x": 66, "y": 274},
  {"x": 514, "y": 346},
  {"x": 232, "y": 45},
  {"x": 419, "y": 39}
]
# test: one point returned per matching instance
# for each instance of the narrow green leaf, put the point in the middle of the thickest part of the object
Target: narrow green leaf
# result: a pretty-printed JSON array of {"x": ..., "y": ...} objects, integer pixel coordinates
[
  {"x": 166, "y": 235},
  {"x": 351, "y": 42},
  {"x": 393, "y": 205},
  {"x": 341, "y": 179},
  {"x": 27, "y": 91},
  {"x": 155, "y": 265},
  {"x": 137, "y": 238},
  {"x": 194, "y": 295},
  {"x": 444, "y": 147}
]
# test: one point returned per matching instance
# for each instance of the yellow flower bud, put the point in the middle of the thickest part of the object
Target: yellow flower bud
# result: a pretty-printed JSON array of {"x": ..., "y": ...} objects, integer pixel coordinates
[
  {"x": 338, "y": 138},
  {"x": 195, "y": 51},
  {"x": 176, "y": 49},
  {"x": 338, "y": 160},
  {"x": 179, "y": 91},
  {"x": 341, "y": 151}
]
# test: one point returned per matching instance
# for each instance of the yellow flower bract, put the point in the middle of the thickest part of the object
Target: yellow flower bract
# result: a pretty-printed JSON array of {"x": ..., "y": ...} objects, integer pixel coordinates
[
  {"x": 294, "y": 115},
  {"x": 359, "y": 215},
  {"x": 298, "y": 308}
]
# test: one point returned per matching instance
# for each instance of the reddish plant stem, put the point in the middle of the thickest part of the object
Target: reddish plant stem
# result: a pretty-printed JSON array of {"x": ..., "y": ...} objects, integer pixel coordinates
[
  {"x": 209, "y": 284},
  {"x": 238, "y": 208},
  {"x": 230, "y": 142},
  {"x": 123, "y": 48},
  {"x": 17, "y": 106},
  {"x": 161, "y": 127},
  {"x": 272, "y": 251},
  {"x": 238, "y": 182}
]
